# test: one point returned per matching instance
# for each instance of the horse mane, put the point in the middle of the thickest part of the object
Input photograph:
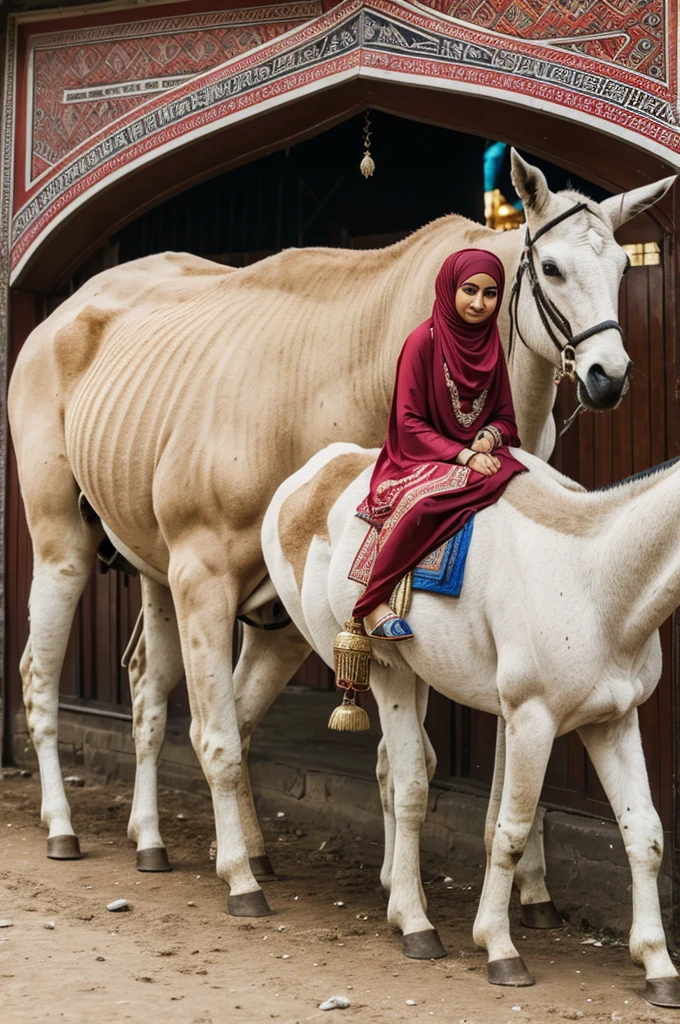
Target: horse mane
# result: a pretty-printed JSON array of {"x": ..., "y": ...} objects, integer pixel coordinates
[{"x": 644, "y": 474}]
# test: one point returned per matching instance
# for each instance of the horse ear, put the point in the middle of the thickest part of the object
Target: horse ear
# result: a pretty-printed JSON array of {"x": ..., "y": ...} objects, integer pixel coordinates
[
  {"x": 530, "y": 184},
  {"x": 618, "y": 209}
]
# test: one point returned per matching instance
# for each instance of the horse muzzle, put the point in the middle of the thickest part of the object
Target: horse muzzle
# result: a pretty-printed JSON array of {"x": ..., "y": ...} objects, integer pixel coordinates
[{"x": 601, "y": 392}]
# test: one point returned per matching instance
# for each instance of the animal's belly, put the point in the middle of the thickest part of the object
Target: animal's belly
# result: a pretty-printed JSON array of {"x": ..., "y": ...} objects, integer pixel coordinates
[{"x": 113, "y": 425}]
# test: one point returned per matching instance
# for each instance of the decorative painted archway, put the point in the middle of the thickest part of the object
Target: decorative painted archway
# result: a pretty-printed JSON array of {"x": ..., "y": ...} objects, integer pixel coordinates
[{"x": 110, "y": 110}]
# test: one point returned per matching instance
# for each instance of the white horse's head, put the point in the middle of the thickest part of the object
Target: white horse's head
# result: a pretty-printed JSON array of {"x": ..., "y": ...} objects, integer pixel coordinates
[{"x": 570, "y": 277}]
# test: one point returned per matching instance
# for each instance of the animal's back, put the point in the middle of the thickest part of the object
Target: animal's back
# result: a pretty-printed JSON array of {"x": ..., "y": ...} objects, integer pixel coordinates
[{"x": 227, "y": 380}]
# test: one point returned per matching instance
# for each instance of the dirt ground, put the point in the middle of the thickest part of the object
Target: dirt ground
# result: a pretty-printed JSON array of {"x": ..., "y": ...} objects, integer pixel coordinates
[{"x": 177, "y": 958}]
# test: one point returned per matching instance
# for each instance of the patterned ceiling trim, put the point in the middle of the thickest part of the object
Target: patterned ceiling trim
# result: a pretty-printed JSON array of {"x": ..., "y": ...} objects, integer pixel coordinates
[{"x": 376, "y": 38}]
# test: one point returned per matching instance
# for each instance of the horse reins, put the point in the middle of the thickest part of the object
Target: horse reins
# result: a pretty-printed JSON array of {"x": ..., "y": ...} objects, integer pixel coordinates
[{"x": 551, "y": 318}]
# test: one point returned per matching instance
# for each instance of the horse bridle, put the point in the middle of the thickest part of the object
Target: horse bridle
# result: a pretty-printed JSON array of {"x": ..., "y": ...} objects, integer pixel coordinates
[{"x": 550, "y": 315}]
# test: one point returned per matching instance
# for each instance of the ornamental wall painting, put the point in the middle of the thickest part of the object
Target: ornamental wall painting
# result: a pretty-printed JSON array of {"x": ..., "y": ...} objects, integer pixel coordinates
[
  {"x": 100, "y": 92},
  {"x": 86, "y": 78},
  {"x": 630, "y": 33}
]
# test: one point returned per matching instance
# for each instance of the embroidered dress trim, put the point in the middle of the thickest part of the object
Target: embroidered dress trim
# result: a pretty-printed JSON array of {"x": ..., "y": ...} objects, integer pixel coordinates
[
  {"x": 389, "y": 491},
  {"x": 466, "y": 419},
  {"x": 454, "y": 478}
]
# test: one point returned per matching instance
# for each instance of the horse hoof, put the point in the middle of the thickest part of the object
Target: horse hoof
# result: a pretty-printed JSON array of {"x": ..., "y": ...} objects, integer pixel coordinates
[
  {"x": 509, "y": 971},
  {"x": 425, "y": 945},
  {"x": 248, "y": 904},
  {"x": 663, "y": 992},
  {"x": 154, "y": 858},
  {"x": 541, "y": 915},
  {"x": 262, "y": 869},
  {"x": 63, "y": 848}
]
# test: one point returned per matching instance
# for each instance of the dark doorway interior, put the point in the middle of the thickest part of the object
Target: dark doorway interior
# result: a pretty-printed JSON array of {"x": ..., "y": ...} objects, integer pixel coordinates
[{"x": 314, "y": 193}]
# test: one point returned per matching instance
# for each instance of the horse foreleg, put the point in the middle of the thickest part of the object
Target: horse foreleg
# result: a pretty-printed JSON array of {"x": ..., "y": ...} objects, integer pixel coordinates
[
  {"x": 155, "y": 669},
  {"x": 529, "y": 738},
  {"x": 615, "y": 749},
  {"x": 538, "y": 910},
  {"x": 206, "y": 605},
  {"x": 268, "y": 660},
  {"x": 396, "y": 693}
]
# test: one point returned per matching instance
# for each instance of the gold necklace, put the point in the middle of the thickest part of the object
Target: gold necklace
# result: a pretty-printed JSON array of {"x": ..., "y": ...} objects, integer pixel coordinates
[{"x": 466, "y": 419}]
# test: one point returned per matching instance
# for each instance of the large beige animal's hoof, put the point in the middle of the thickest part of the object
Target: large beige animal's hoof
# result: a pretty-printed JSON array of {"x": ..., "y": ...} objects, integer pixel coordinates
[
  {"x": 541, "y": 915},
  {"x": 663, "y": 992},
  {"x": 262, "y": 868},
  {"x": 154, "y": 858},
  {"x": 248, "y": 904},
  {"x": 425, "y": 945},
  {"x": 63, "y": 848},
  {"x": 509, "y": 971}
]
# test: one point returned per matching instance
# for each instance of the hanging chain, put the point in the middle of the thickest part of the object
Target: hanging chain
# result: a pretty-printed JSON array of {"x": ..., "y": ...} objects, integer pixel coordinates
[{"x": 367, "y": 165}]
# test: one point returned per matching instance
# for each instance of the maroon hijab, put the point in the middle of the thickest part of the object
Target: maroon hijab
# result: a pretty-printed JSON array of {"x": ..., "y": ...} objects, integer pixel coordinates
[{"x": 471, "y": 351}]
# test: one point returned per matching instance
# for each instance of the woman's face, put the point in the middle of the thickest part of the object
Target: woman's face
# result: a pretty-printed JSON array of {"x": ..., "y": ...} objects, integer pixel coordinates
[{"x": 476, "y": 299}]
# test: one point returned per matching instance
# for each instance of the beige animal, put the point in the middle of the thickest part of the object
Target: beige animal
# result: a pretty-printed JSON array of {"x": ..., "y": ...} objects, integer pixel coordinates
[
  {"x": 177, "y": 394},
  {"x": 552, "y": 631}
]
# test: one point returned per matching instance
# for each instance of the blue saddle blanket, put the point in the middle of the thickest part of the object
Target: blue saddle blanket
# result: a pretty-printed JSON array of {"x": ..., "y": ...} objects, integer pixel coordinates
[{"x": 442, "y": 571}]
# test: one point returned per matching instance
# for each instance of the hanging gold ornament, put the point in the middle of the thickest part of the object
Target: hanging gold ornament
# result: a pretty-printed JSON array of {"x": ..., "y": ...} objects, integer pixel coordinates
[
  {"x": 352, "y": 655},
  {"x": 367, "y": 165}
]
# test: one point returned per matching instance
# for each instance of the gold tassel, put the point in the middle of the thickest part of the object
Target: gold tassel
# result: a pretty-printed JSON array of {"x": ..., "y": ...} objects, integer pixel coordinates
[
  {"x": 367, "y": 165},
  {"x": 352, "y": 655},
  {"x": 349, "y": 717}
]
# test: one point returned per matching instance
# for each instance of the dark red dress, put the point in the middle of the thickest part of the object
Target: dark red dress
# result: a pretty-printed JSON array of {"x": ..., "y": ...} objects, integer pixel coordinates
[{"x": 419, "y": 496}]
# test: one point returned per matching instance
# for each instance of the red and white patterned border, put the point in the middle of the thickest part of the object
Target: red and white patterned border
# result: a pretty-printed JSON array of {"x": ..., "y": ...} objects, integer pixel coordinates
[{"x": 388, "y": 39}]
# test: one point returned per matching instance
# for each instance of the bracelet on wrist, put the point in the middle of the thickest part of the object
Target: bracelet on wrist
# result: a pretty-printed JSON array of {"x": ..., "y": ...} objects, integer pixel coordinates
[
  {"x": 496, "y": 435},
  {"x": 464, "y": 456}
]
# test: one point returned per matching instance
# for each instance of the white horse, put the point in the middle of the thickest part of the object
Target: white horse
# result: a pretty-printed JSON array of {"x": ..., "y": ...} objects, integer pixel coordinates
[
  {"x": 135, "y": 389},
  {"x": 555, "y": 630}
]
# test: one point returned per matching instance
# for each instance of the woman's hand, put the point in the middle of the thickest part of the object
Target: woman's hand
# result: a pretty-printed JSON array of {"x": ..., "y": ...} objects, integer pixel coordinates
[
  {"x": 487, "y": 465},
  {"x": 483, "y": 442}
]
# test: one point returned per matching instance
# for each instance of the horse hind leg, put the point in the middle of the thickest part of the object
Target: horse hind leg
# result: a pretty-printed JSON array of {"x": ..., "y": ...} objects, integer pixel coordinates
[
  {"x": 63, "y": 551},
  {"x": 155, "y": 668},
  {"x": 268, "y": 660}
]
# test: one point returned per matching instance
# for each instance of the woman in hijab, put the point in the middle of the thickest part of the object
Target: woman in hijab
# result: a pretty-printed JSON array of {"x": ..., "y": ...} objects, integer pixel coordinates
[{"x": 451, "y": 421}]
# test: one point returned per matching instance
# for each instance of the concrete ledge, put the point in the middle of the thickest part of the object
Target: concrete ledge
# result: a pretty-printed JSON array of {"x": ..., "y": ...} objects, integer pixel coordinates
[{"x": 328, "y": 779}]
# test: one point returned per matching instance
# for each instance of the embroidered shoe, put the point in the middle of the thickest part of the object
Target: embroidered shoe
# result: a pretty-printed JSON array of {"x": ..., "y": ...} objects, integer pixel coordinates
[{"x": 391, "y": 627}]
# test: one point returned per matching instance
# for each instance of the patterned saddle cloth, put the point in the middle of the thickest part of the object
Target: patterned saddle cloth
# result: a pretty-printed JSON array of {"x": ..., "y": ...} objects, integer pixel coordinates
[{"x": 440, "y": 572}]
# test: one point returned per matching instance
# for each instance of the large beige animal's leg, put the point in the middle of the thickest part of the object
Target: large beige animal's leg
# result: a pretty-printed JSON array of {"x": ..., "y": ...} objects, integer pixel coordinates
[
  {"x": 529, "y": 738},
  {"x": 386, "y": 783},
  {"x": 538, "y": 910},
  {"x": 155, "y": 669},
  {"x": 615, "y": 749},
  {"x": 268, "y": 659},
  {"x": 396, "y": 693},
  {"x": 206, "y": 602},
  {"x": 63, "y": 556}
]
